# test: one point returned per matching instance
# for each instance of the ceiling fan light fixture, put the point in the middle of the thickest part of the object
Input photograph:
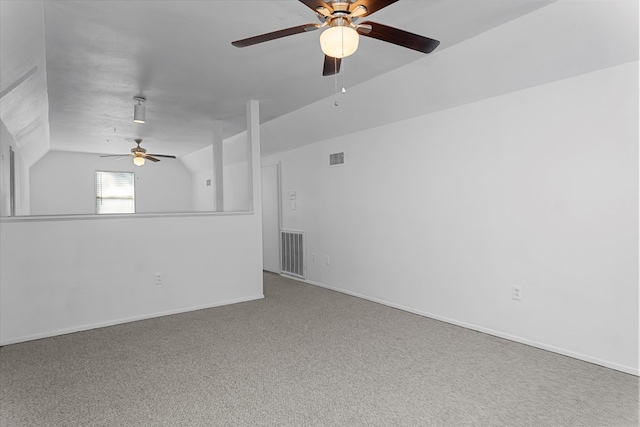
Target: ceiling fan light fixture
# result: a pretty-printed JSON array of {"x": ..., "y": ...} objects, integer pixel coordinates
[
  {"x": 138, "y": 161},
  {"x": 339, "y": 41},
  {"x": 139, "y": 110}
]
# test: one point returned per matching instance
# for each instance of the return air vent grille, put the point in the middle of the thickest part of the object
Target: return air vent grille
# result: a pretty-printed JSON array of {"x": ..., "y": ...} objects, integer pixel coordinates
[
  {"x": 336, "y": 159},
  {"x": 292, "y": 244}
]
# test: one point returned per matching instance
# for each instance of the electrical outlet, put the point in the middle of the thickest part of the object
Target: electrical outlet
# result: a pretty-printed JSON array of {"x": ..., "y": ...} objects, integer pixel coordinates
[
  {"x": 313, "y": 257},
  {"x": 159, "y": 279},
  {"x": 516, "y": 292}
]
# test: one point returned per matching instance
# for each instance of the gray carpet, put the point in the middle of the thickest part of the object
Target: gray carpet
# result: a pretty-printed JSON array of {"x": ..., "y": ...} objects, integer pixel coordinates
[{"x": 303, "y": 356}]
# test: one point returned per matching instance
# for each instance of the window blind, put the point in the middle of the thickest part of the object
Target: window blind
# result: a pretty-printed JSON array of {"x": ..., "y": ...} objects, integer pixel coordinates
[{"x": 115, "y": 192}]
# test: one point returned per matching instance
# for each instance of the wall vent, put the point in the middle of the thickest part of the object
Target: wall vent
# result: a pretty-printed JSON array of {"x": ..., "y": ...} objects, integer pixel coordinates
[
  {"x": 336, "y": 159},
  {"x": 292, "y": 259}
]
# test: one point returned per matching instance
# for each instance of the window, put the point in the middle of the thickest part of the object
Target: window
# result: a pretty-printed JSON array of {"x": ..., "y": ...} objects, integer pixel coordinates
[{"x": 115, "y": 192}]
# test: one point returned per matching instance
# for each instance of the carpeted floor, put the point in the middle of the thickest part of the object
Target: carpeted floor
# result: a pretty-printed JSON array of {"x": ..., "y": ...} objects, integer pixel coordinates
[{"x": 303, "y": 356}]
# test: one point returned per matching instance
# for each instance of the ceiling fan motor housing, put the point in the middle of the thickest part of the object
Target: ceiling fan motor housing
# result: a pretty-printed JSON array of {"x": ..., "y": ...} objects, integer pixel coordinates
[
  {"x": 340, "y": 15},
  {"x": 340, "y": 6},
  {"x": 138, "y": 149}
]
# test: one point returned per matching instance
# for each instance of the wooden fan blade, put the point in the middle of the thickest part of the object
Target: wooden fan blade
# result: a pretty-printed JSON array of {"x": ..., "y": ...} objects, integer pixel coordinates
[
  {"x": 400, "y": 37},
  {"x": 116, "y": 155},
  {"x": 371, "y": 5},
  {"x": 153, "y": 159},
  {"x": 274, "y": 35},
  {"x": 315, "y": 4},
  {"x": 162, "y": 155},
  {"x": 331, "y": 66}
]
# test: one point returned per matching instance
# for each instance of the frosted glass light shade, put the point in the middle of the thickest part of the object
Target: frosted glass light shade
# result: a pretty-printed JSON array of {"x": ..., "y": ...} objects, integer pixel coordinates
[
  {"x": 138, "y": 113},
  {"x": 339, "y": 41},
  {"x": 138, "y": 161}
]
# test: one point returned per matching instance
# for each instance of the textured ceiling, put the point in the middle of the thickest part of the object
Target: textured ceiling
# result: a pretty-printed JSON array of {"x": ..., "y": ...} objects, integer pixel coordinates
[{"x": 99, "y": 54}]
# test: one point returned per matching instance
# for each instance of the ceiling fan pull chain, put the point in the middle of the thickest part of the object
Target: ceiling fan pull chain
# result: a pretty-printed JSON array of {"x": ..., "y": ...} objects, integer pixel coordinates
[
  {"x": 343, "y": 65},
  {"x": 335, "y": 80},
  {"x": 344, "y": 73}
]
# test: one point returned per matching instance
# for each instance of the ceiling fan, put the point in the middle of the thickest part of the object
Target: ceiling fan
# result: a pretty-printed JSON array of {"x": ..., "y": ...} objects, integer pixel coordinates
[
  {"x": 140, "y": 155},
  {"x": 341, "y": 36}
]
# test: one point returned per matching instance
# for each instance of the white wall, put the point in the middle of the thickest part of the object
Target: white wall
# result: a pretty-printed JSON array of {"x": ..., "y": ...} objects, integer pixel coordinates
[
  {"x": 24, "y": 104},
  {"x": 442, "y": 214},
  {"x": 64, "y": 183},
  {"x": 200, "y": 165},
  {"x": 203, "y": 185},
  {"x": 6, "y": 143},
  {"x": 65, "y": 275},
  {"x": 21, "y": 176},
  {"x": 237, "y": 175}
]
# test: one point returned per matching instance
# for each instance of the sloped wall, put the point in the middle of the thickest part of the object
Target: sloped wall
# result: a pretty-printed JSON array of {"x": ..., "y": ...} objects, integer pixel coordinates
[{"x": 442, "y": 214}]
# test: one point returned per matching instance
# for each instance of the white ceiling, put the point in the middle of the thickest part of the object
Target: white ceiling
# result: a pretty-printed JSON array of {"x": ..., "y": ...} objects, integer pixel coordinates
[
  {"x": 556, "y": 42},
  {"x": 70, "y": 69},
  {"x": 94, "y": 56}
]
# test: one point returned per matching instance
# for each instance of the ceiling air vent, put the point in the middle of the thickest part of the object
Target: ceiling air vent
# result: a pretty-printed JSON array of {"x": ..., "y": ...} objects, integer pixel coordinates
[{"x": 336, "y": 159}]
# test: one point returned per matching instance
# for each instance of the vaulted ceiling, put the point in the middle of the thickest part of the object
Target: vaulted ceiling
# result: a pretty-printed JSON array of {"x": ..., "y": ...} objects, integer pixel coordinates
[{"x": 70, "y": 69}]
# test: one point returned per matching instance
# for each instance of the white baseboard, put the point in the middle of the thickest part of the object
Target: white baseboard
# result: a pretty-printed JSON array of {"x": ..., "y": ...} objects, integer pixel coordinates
[
  {"x": 80, "y": 328},
  {"x": 543, "y": 346}
]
